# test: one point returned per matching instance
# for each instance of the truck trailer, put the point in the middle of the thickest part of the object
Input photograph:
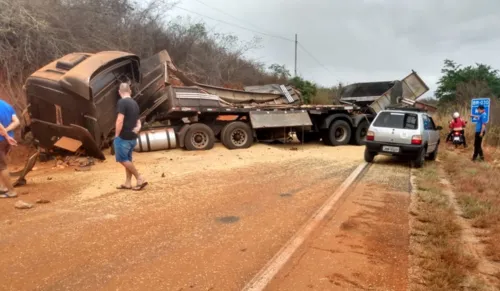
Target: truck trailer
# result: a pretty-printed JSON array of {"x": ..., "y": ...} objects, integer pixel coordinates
[{"x": 72, "y": 105}]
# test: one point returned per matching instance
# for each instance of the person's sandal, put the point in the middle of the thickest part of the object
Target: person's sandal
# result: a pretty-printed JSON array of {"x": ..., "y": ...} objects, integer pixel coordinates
[
  {"x": 140, "y": 187},
  {"x": 7, "y": 195}
]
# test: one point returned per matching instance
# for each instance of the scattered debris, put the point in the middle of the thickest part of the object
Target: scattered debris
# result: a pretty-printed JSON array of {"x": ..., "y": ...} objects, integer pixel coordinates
[
  {"x": 83, "y": 168},
  {"x": 23, "y": 205},
  {"x": 163, "y": 175},
  {"x": 49, "y": 178},
  {"x": 42, "y": 201},
  {"x": 294, "y": 149},
  {"x": 228, "y": 219}
]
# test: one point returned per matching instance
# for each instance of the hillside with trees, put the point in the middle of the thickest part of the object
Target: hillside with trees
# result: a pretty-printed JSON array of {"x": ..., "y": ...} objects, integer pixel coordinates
[{"x": 35, "y": 32}]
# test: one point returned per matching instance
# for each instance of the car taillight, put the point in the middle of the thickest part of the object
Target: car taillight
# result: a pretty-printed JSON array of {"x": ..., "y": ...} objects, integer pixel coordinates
[
  {"x": 416, "y": 139},
  {"x": 370, "y": 135}
]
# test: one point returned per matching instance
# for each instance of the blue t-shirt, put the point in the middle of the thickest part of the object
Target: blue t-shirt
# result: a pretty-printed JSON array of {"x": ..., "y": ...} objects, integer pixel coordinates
[
  {"x": 480, "y": 121},
  {"x": 6, "y": 113}
]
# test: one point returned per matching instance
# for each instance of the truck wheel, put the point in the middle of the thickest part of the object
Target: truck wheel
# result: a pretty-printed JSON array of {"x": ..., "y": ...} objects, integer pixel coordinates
[
  {"x": 360, "y": 133},
  {"x": 199, "y": 137},
  {"x": 237, "y": 135},
  {"x": 369, "y": 156},
  {"x": 339, "y": 133}
]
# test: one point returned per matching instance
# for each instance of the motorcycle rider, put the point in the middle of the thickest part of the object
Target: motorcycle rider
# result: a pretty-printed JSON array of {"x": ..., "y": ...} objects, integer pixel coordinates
[{"x": 457, "y": 124}]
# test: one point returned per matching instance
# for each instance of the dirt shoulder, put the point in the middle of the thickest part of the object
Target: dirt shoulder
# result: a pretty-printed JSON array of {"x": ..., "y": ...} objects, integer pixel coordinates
[{"x": 450, "y": 250}]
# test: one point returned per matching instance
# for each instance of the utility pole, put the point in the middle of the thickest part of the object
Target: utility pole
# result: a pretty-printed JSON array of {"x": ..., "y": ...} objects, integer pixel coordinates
[{"x": 296, "y": 42}]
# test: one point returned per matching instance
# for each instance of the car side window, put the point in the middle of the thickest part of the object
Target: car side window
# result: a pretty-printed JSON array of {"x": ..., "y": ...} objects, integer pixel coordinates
[
  {"x": 427, "y": 122},
  {"x": 432, "y": 124}
]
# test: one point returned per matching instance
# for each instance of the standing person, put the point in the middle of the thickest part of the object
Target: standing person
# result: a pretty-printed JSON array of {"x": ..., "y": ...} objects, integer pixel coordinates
[
  {"x": 127, "y": 127},
  {"x": 8, "y": 122},
  {"x": 480, "y": 131}
]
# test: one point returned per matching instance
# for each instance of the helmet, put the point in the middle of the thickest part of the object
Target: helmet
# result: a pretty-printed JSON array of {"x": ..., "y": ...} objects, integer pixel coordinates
[{"x": 456, "y": 115}]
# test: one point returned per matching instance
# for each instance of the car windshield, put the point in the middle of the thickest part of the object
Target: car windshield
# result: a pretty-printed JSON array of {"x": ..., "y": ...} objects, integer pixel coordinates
[{"x": 397, "y": 120}]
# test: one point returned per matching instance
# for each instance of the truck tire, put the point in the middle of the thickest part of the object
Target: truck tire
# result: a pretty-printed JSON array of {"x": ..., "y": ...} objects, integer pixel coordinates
[
  {"x": 199, "y": 137},
  {"x": 339, "y": 133},
  {"x": 360, "y": 133},
  {"x": 237, "y": 135}
]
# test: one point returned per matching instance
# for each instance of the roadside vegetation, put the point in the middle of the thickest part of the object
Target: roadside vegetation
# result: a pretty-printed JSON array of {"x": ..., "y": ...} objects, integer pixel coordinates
[
  {"x": 476, "y": 186},
  {"x": 440, "y": 262},
  {"x": 444, "y": 261}
]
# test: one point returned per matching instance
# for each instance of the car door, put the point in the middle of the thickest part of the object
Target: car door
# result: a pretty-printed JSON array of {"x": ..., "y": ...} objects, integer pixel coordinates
[
  {"x": 431, "y": 133},
  {"x": 435, "y": 134},
  {"x": 427, "y": 133}
]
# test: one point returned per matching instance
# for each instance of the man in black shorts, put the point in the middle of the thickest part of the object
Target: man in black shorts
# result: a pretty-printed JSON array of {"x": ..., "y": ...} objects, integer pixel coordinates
[{"x": 127, "y": 127}]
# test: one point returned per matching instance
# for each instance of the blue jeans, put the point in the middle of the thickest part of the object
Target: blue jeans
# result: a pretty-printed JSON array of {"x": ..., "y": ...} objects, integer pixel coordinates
[{"x": 124, "y": 149}]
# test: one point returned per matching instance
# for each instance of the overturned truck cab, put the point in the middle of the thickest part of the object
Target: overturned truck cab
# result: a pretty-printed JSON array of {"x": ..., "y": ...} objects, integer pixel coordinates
[{"x": 75, "y": 97}]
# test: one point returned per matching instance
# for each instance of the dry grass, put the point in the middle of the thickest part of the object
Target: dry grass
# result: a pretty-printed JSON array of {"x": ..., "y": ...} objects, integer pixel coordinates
[
  {"x": 477, "y": 188},
  {"x": 445, "y": 266},
  {"x": 492, "y": 137}
]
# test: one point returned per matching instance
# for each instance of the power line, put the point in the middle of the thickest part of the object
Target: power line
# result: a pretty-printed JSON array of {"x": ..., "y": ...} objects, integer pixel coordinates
[
  {"x": 236, "y": 25},
  {"x": 229, "y": 14},
  {"x": 314, "y": 58},
  {"x": 254, "y": 31}
]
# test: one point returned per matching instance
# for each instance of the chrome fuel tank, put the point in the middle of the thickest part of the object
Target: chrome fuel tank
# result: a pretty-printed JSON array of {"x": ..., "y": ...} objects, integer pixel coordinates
[{"x": 156, "y": 139}]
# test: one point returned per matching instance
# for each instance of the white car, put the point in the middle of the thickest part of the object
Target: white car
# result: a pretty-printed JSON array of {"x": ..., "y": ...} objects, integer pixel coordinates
[{"x": 407, "y": 132}]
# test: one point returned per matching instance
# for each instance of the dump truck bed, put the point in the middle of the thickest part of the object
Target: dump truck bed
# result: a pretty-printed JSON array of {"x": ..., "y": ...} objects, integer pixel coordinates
[{"x": 378, "y": 95}]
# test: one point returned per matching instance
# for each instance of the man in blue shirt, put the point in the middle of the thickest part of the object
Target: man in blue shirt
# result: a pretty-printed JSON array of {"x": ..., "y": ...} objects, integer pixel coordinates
[
  {"x": 8, "y": 122},
  {"x": 480, "y": 131}
]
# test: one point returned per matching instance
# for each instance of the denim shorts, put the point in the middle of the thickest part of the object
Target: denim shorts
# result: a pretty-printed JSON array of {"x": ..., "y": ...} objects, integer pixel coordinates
[{"x": 124, "y": 149}]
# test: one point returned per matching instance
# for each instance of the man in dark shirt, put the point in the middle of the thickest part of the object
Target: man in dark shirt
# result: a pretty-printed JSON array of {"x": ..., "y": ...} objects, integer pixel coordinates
[
  {"x": 480, "y": 131},
  {"x": 127, "y": 127}
]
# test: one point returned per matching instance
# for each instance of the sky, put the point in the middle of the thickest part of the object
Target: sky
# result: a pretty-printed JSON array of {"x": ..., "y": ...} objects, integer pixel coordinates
[{"x": 359, "y": 40}]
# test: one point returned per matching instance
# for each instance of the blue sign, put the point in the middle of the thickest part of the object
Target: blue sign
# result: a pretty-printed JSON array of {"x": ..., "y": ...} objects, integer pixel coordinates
[{"x": 475, "y": 104}]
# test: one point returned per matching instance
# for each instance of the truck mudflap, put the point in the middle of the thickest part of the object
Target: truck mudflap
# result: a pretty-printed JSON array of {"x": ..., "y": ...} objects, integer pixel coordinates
[
  {"x": 266, "y": 119},
  {"x": 48, "y": 134}
]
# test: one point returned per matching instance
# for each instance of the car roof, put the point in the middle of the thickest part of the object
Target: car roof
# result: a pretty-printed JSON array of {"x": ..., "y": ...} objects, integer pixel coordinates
[{"x": 405, "y": 110}]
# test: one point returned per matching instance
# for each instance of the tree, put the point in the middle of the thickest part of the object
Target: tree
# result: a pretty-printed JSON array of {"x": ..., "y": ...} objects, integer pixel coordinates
[
  {"x": 456, "y": 77},
  {"x": 280, "y": 71},
  {"x": 307, "y": 88}
]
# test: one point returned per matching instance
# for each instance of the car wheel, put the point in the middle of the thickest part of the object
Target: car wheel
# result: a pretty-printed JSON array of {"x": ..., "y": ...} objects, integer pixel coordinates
[
  {"x": 420, "y": 160},
  {"x": 434, "y": 154},
  {"x": 369, "y": 156}
]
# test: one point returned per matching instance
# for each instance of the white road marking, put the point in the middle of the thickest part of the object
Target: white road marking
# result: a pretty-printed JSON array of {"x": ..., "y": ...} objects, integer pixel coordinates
[{"x": 262, "y": 279}]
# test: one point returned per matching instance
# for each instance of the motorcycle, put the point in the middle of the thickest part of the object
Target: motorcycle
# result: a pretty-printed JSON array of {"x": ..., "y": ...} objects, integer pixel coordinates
[{"x": 457, "y": 137}]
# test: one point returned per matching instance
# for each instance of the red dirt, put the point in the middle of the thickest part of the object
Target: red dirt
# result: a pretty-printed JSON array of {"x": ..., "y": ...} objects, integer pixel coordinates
[
  {"x": 168, "y": 237},
  {"x": 364, "y": 243}
]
